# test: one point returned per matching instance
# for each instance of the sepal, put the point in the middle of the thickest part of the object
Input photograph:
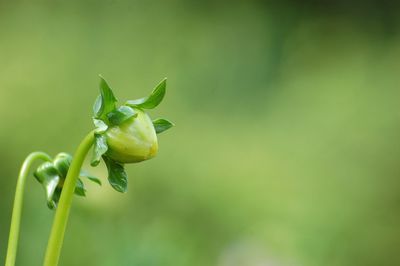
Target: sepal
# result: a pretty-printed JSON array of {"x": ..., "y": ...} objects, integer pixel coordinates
[
  {"x": 99, "y": 148},
  {"x": 153, "y": 100},
  {"x": 161, "y": 124},
  {"x": 117, "y": 176}
]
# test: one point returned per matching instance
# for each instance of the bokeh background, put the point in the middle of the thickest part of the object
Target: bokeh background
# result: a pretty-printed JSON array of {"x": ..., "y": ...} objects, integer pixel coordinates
[{"x": 286, "y": 148}]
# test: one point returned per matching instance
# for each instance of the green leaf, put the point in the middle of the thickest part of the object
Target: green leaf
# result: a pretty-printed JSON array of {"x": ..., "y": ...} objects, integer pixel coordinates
[
  {"x": 90, "y": 177},
  {"x": 98, "y": 103},
  {"x": 99, "y": 148},
  {"x": 106, "y": 102},
  {"x": 62, "y": 162},
  {"x": 160, "y": 125},
  {"x": 101, "y": 127},
  {"x": 80, "y": 189},
  {"x": 121, "y": 114},
  {"x": 48, "y": 176},
  {"x": 117, "y": 176},
  {"x": 153, "y": 100},
  {"x": 56, "y": 198}
]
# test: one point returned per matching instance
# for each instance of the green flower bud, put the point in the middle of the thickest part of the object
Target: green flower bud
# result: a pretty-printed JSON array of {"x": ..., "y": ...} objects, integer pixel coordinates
[
  {"x": 125, "y": 134},
  {"x": 134, "y": 140},
  {"x": 52, "y": 176}
]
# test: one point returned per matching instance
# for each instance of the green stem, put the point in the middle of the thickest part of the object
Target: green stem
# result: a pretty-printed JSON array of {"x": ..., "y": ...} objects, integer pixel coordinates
[
  {"x": 61, "y": 217},
  {"x": 18, "y": 202}
]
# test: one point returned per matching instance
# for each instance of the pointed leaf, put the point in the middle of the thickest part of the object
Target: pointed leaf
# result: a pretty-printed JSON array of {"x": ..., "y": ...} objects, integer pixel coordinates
[
  {"x": 107, "y": 103},
  {"x": 98, "y": 103},
  {"x": 121, "y": 114},
  {"x": 90, "y": 177},
  {"x": 99, "y": 148},
  {"x": 160, "y": 125},
  {"x": 153, "y": 100},
  {"x": 117, "y": 176},
  {"x": 80, "y": 189}
]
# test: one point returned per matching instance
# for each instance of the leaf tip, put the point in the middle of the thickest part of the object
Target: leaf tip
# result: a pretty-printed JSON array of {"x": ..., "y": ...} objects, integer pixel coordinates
[{"x": 163, "y": 83}]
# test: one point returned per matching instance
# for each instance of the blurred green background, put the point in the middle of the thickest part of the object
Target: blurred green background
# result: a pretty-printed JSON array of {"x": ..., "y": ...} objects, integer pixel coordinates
[{"x": 286, "y": 148}]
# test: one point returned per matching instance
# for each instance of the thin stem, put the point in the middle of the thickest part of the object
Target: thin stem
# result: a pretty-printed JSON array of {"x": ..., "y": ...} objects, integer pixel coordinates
[
  {"x": 18, "y": 202},
  {"x": 61, "y": 217}
]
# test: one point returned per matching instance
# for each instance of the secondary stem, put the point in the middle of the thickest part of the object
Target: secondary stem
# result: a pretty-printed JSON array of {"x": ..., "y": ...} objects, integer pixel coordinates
[
  {"x": 61, "y": 217},
  {"x": 18, "y": 202}
]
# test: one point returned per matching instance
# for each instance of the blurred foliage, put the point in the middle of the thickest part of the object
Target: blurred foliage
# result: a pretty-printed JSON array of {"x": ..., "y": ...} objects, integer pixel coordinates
[{"x": 286, "y": 148}]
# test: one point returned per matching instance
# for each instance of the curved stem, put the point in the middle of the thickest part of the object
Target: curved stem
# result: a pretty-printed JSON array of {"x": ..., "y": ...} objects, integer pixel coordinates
[
  {"x": 61, "y": 217},
  {"x": 18, "y": 202}
]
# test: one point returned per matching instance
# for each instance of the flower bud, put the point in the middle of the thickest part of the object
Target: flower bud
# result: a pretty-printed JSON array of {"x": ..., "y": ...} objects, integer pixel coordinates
[
  {"x": 132, "y": 141},
  {"x": 52, "y": 176}
]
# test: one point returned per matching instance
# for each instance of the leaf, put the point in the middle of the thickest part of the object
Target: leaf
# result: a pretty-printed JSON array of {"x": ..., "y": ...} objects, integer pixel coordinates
[
  {"x": 121, "y": 114},
  {"x": 48, "y": 176},
  {"x": 101, "y": 127},
  {"x": 99, "y": 148},
  {"x": 153, "y": 100},
  {"x": 62, "y": 162},
  {"x": 117, "y": 176},
  {"x": 106, "y": 102},
  {"x": 98, "y": 103},
  {"x": 160, "y": 125},
  {"x": 56, "y": 198},
  {"x": 80, "y": 189},
  {"x": 90, "y": 177}
]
